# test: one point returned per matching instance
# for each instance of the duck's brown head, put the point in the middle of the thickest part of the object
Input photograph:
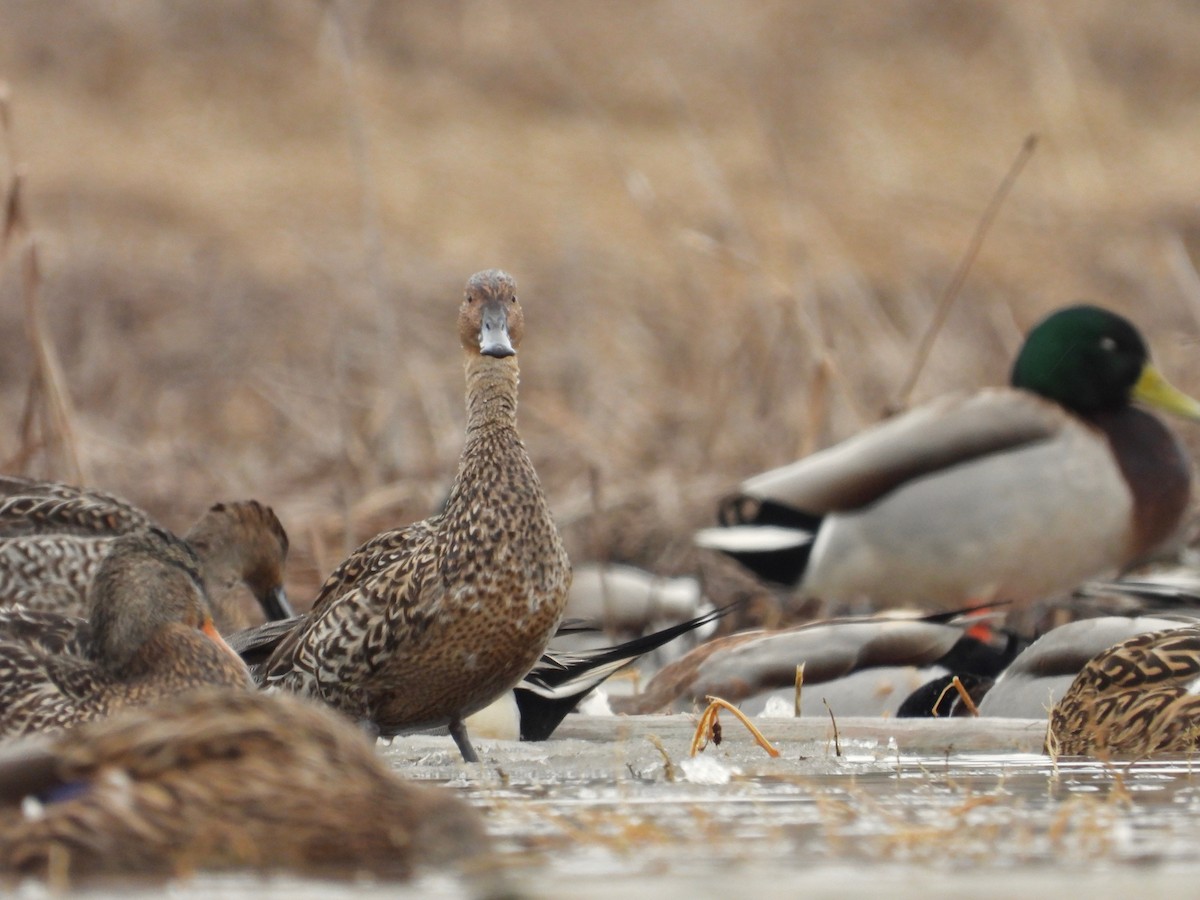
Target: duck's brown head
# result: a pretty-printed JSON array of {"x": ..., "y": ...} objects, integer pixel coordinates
[
  {"x": 242, "y": 541},
  {"x": 490, "y": 321}
]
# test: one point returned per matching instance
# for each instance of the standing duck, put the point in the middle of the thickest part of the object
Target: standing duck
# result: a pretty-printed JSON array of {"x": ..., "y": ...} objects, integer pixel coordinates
[
  {"x": 1135, "y": 699},
  {"x": 1010, "y": 494},
  {"x": 424, "y": 625},
  {"x": 149, "y": 634},
  {"x": 222, "y": 779},
  {"x": 53, "y": 536}
]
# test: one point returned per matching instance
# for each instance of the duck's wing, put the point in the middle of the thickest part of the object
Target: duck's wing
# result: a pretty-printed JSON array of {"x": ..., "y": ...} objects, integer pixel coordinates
[
  {"x": 30, "y": 507},
  {"x": 39, "y": 691},
  {"x": 51, "y": 632},
  {"x": 937, "y": 436},
  {"x": 381, "y": 593},
  {"x": 367, "y": 561},
  {"x": 256, "y": 644}
]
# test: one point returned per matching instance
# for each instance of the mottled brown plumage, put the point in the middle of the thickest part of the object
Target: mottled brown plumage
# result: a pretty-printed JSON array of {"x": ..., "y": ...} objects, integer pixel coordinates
[
  {"x": 1138, "y": 698},
  {"x": 148, "y": 635},
  {"x": 220, "y": 780},
  {"x": 53, "y": 536},
  {"x": 426, "y": 624}
]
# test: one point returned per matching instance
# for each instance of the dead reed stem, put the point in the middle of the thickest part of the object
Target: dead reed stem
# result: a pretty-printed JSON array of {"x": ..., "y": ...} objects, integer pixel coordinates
[
  {"x": 48, "y": 420},
  {"x": 960, "y": 274}
]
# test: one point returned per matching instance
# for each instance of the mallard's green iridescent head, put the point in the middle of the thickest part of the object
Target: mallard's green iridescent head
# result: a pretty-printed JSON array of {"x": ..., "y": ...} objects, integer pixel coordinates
[{"x": 1091, "y": 360}]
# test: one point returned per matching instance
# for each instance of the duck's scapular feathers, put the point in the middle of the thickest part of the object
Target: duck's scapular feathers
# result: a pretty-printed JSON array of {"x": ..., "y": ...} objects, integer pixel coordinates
[{"x": 426, "y": 624}]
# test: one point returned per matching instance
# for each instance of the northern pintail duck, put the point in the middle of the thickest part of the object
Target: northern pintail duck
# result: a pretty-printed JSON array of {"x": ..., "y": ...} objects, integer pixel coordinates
[
  {"x": 631, "y": 601},
  {"x": 741, "y": 665},
  {"x": 1138, "y": 698},
  {"x": 149, "y": 634},
  {"x": 1013, "y": 494},
  {"x": 53, "y": 536},
  {"x": 222, "y": 779},
  {"x": 424, "y": 625}
]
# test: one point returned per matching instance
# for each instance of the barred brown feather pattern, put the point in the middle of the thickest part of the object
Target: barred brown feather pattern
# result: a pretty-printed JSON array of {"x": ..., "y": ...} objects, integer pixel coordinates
[
  {"x": 1137, "y": 698},
  {"x": 33, "y": 507}
]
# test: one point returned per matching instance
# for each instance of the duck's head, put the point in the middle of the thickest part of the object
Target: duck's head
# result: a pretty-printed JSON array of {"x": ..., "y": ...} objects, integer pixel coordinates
[
  {"x": 1091, "y": 360},
  {"x": 244, "y": 541},
  {"x": 149, "y": 581},
  {"x": 490, "y": 321}
]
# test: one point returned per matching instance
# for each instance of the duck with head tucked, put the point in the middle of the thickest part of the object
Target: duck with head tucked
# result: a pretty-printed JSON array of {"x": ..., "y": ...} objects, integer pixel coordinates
[
  {"x": 149, "y": 634},
  {"x": 1140, "y": 697},
  {"x": 1013, "y": 494},
  {"x": 53, "y": 537},
  {"x": 223, "y": 779},
  {"x": 424, "y": 625}
]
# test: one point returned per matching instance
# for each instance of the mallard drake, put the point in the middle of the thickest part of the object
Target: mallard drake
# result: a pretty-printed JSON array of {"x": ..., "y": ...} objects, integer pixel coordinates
[
  {"x": 1013, "y": 493},
  {"x": 424, "y": 625},
  {"x": 1135, "y": 699},
  {"x": 221, "y": 779},
  {"x": 149, "y": 634},
  {"x": 53, "y": 536}
]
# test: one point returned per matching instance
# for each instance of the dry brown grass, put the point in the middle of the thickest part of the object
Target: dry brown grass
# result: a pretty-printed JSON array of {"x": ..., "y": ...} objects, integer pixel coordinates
[{"x": 730, "y": 223}]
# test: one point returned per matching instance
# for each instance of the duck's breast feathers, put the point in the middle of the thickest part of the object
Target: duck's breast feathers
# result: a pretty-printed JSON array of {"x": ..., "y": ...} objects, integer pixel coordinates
[
  {"x": 1155, "y": 467},
  {"x": 924, "y": 441}
]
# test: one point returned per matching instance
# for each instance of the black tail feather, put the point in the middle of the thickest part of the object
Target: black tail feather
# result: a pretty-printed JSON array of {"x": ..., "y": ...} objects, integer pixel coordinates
[{"x": 560, "y": 680}]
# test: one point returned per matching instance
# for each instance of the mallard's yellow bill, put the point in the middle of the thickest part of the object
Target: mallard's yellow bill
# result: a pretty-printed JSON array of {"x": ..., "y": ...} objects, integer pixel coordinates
[{"x": 1154, "y": 390}]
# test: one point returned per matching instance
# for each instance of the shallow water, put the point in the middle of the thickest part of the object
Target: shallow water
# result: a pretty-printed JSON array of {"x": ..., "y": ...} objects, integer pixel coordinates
[{"x": 959, "y": 808}]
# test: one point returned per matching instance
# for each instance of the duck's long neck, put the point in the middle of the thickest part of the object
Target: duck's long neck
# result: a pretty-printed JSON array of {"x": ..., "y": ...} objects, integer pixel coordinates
[
  {"x": 491, "y": 395},
  {"x": 493, "y": 461}
]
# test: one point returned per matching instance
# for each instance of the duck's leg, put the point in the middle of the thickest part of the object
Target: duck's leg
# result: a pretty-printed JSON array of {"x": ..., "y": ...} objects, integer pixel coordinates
[{"x": 458, "y": 731}]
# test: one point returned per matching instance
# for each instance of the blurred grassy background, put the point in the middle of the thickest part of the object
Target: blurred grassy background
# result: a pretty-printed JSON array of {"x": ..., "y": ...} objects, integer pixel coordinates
[{"x": 730, "y": 223}]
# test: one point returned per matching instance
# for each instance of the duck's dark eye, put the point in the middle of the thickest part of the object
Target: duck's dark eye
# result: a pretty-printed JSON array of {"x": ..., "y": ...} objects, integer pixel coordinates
[
  {"x": 512, "y": 299},
  {"x": 1108, "y": 345}
]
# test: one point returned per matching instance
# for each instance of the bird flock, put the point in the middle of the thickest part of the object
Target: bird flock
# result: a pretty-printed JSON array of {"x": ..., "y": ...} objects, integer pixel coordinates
[{"x": 149, "y": 727}]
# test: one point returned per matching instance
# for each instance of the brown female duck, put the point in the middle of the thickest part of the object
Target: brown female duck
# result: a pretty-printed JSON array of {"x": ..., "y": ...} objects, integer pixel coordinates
[
  {"x": 149, "y": 634},
  {"x": 1137, "y": 698},
  {"x": 424, "y": 625},
  {"x": 221, "y": 779},
  {"x": 53, "y": 536}
]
